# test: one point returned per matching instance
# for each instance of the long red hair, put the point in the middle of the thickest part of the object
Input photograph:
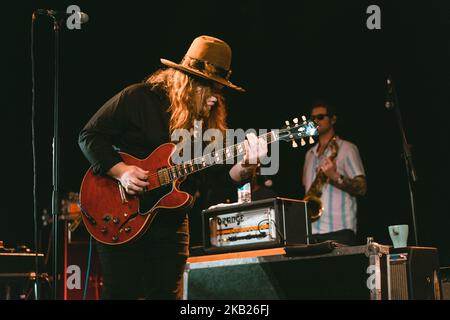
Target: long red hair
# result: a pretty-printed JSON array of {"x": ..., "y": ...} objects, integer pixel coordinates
[{"x": 181, "y": 90}]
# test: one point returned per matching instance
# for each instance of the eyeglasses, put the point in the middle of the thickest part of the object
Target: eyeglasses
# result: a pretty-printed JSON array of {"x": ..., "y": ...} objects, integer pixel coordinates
[{"x": 319, "y": 116}]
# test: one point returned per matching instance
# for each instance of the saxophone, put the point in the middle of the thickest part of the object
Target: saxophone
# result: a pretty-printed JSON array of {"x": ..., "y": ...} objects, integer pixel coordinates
[{"x": 312, "y": 196}]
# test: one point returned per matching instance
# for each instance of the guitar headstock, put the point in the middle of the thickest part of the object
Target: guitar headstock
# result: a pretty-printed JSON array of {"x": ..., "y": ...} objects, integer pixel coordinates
[{"x": 299, "y": 130}]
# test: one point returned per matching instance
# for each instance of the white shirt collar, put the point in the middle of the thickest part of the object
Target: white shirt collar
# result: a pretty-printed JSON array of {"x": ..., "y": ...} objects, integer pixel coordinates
[{"x": 314, "y": 149}]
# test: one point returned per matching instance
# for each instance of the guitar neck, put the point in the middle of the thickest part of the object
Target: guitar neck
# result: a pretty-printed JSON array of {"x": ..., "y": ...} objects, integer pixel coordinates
[{"x": 220, "y": 156}]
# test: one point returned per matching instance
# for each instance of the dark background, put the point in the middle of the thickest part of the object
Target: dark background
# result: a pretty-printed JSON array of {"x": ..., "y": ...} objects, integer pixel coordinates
[{"x": 285, "y": 53}]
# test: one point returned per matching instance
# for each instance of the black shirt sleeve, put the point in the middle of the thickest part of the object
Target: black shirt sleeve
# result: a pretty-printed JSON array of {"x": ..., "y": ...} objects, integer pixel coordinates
[
  {"x": 96, "y": 139},
  {"x": 132, "y": 121}
]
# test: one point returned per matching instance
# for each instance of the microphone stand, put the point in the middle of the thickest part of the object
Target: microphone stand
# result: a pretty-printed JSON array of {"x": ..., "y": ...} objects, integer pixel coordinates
[
  {"x": 55, "y": 163},
  {"x": 407, "y": 156},
  {"x": 56, "y": 207}
]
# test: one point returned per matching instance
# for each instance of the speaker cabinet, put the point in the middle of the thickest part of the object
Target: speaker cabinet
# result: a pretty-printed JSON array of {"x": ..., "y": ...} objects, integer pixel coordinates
[
  {"x": 79, "y": 255},
  {"x": 413, "y": 273},
  {"x": 445, "y": 280},
  {"x": 344, "y": 273}
]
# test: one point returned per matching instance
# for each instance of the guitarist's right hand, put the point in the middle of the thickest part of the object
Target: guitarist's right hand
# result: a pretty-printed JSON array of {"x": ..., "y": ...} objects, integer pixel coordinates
[{"x": 132, "y": 178}]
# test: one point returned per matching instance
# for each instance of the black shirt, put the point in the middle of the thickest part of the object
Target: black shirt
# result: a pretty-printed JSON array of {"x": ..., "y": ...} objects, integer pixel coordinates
[{"x": 136, "y": 121}]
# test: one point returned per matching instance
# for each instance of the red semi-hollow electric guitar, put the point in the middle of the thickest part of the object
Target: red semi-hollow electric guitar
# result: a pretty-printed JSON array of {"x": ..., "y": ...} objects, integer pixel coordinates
[{"x": 114, "y": 217}]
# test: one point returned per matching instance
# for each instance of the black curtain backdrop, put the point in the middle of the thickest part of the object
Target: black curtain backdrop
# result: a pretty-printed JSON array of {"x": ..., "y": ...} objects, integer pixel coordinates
[{"x": 285, "y": 53}]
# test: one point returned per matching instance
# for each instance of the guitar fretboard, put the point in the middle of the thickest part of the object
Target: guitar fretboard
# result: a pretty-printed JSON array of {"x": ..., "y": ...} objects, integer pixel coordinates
[{"x": 221, "y": 156}]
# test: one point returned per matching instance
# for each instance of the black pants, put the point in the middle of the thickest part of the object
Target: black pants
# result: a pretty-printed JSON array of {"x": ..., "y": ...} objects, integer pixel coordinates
[
  {"x": 345, "y": 236},
  {"x": 151, "y": 267}
]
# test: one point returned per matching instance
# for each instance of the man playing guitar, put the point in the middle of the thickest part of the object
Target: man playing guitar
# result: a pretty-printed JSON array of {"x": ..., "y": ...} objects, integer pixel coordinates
[{"x": 137, "y": 121}]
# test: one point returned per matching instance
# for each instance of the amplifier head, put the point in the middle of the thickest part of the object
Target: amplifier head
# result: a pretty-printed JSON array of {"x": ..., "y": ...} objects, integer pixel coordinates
[{"x": 259, "y": 224}]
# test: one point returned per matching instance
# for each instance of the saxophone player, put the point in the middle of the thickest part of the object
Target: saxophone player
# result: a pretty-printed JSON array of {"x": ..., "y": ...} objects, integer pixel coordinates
[{"x": 339, "y": 164}]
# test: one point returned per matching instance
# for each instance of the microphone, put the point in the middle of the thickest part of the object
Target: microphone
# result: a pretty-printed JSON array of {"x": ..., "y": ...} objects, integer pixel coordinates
[
  {"x": 79, "y": 16},
  {"x": 389, "y": 104}
]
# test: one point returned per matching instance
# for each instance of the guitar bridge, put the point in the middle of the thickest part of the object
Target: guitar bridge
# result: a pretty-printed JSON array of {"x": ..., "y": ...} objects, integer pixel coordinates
[{"x": 123, "y": 195}]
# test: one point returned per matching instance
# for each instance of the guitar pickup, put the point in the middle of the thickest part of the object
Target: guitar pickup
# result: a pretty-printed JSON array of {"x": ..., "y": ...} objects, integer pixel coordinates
[{"x": 163, "y": 176}]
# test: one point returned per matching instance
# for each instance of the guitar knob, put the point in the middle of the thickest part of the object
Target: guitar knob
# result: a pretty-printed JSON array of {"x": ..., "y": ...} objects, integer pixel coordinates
[
  {"x": 311, "y": 140},
  {"x": 103, "y": 230},
  {"x": 294, "y": 144},
  {"x": 127, "y": 229},
  {"x": 116, "y": 220},
  {"x": 107, "y": 218},
  {"x": 115, "y": 238},
  {"x": 295, "y": 120}
]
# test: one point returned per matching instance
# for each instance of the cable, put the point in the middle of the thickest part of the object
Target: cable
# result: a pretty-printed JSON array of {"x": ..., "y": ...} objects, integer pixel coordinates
[
  {"x": 259, "y": 225},
  {"x": 33, "y": 148},
  {"x": 49, "y": 247},
  {"x": 277, "y": 230},
  {"x": 88, "y": 269}
]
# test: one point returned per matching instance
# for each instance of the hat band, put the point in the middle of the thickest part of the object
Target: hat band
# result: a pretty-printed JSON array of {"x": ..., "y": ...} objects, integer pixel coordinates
[{"x": 205, "y": 67}]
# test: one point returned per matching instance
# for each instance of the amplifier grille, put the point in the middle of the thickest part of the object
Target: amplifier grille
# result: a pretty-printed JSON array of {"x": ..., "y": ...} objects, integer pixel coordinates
[{"x": 399, "y": 281}]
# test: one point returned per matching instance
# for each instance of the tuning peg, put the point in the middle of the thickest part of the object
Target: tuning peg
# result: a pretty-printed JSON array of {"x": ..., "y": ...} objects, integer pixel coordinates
[
  {"x": 302, "y": 142},
  {"x": 294, "y": 144},
  {"x": 287, "y": 122},
  {"x": 304, "y": 118},
  {"x": 295, "y": 120},
  {"x": 311, "y": 140}
]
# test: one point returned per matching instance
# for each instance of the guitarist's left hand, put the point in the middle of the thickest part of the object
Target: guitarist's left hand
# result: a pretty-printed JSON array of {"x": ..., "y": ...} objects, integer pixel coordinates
[{"x": 255, "y": 149}]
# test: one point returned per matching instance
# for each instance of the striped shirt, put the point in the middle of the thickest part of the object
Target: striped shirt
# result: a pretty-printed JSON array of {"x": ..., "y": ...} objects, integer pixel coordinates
[{"x": 339, "y": 207}]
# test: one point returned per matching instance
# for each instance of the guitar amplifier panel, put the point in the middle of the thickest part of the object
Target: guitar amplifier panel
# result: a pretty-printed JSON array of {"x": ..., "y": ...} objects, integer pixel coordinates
[
  {"x": 231, "y": 229},
  {"x": 273, "y": 222}
]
